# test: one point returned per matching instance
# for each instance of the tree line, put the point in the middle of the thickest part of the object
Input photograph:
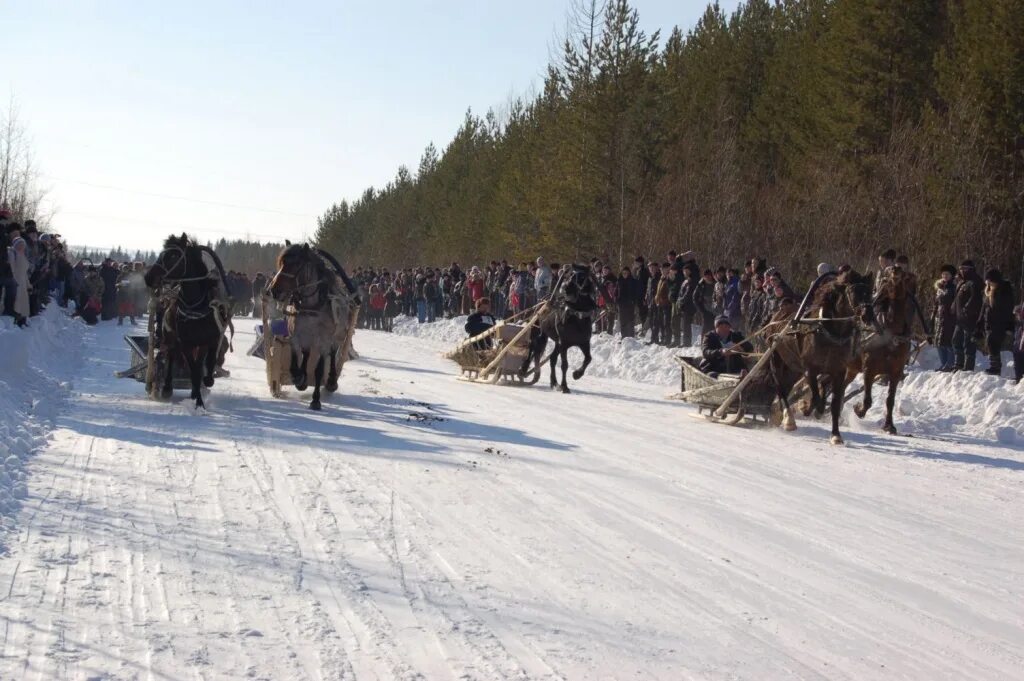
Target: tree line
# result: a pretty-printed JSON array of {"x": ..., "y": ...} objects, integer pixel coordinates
[
  {"x": 797, "y": 130},
  {"x": 240, "y": 255}
]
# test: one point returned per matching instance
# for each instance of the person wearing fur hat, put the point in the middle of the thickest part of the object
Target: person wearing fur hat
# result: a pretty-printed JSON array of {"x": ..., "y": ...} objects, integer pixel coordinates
[
  {"x": 720, "y": 349},
  {"x": 481, "y": 321},
  {"x": 996, "y": 318},
  {"x": 967, "y": 304},
  {"x": 943, "y": 317}
]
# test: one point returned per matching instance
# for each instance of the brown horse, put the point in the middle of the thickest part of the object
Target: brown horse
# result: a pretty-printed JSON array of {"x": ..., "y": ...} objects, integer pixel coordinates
[
  {"x": 885, "y": 351},
  {"x": 820, "y": 343}
]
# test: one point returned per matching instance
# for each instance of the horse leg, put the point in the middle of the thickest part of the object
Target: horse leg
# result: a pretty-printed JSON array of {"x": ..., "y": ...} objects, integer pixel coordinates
[
  {"x": 195, "y": 369},
  {"x": 553, "y": 362},
  {"x": 783, "y": 390},
  {"x": 300, "y": 379},
  {"x": 168, "y": 389},
  {"x": 332, "y": 375},
  {"x": 318, "y": 377},
  {"x": 293, "y": 367},
  {"x": 838, "y": 393},
  {"x": 816, "y": 399},
  {"x": 869, "y": 380},
  {"x": 890, "y": 400},
  {"x": 565, "y": 369},
  {"x": 578, "y": 374},
  {"x": 210, "y": 364}
]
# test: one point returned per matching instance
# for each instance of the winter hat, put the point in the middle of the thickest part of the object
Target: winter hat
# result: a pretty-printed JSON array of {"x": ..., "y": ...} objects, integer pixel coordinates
[
  {"x": 481, "y": 302},
  {"x": 722, "y": 320},
  {"x": 968, "y": 264},
  {"x": 30, "y": 227},
  {"x": 948, "y": 268},
  {"x": 825, "y": 268},
  {"x": 994, "y": 276}
]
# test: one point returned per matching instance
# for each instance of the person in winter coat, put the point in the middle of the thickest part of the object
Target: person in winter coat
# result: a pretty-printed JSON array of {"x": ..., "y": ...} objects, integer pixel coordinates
[
  {"x": 943, "y": 317},
  {"x": 642, "y": 274},
  {"x": 481, "y": 321},
  {"x": 21, "y": 269},
  {"x": 720, "y": 348},
  {"x": 657, "y": 294},
  {"x": 686, "y": 304},
  {"x": 732, "y": 300},
  {"x": 627, "y": 301},
  {"x": 996, "y": 318},
  {"x": 109, "y": 274},
  {"x": 675, "y": 325},
  {"x": 1018, "y": 344},
  {"x": 432, "y": 297},
  {"x": 704, "y": 301},
  {"x": 967, "y": 304},
  {"x": 608, "y": 294},
  {"x": 756, "y": 304},
  {"x": 542, "y": 279}
]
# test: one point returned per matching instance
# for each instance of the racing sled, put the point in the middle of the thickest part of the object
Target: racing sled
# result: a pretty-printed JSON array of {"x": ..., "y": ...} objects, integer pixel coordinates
[{"x": 752, "y": 399}]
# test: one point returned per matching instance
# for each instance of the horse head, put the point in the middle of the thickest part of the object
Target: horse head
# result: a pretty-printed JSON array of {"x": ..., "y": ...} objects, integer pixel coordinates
[
  {"x": 299, "y": 270},
  {"x": 580, "y": 289},
  {"x": 179, "y": 260}
]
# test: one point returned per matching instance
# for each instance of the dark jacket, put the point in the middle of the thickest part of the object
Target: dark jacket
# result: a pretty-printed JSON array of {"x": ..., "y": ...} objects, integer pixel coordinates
[
  {"x": 970, "y": 298},
  {"x": 997, "y": 311},
  {"x": 686, "y": 291},
  {"x": 674, "y": 285},
  {"x": 713, "y": 353},
  {"x": 704, "y": 299},
  {"x": 943, "y": 317},
  {"x": 479, "y": 322},
  {"x": 628, "y": 291}
]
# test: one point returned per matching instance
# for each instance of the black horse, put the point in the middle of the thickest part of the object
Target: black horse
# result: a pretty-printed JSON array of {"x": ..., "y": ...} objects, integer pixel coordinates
[
  {"x": 190, "y": 319},
  {"x": 309, "y": 283},
  {"x": 569, "y": 321}
]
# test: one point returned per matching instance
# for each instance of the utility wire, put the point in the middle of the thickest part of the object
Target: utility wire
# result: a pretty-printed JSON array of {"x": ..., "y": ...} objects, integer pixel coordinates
[{"x": 178, "y": 198}]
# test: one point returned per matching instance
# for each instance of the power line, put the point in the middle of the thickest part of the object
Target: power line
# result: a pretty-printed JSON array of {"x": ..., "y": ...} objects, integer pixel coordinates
[
  {"x": 174, "y": 228},
  {"x": 178, "y": 198}
]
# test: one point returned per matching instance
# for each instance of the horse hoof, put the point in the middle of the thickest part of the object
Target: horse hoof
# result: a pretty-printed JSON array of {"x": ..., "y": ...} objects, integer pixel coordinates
[
  {"x": 332, "y": 386},
  {"x": 208, "y": 381},
  {"x": 860, "y": 411},
  {"x": 790, "y": 427},
  {"x": 891, "y": 430},
  {"x": 837, "y": 440},
  {"x": 315, "y": 406},
  {"x": 166, "y": 394},
  {"x": 565, "y": 390},
  {"x": 577, "y": 375}
]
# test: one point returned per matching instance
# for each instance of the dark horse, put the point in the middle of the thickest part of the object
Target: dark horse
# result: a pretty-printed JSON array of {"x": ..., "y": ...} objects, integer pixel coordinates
[
  {"x": 310, "y": 282},
  {"x": 569, "y": 321},
  {"x": 190, "y": 319},
  {"x": 819, "y": 341},
  {"x": 885, "y": 351}
]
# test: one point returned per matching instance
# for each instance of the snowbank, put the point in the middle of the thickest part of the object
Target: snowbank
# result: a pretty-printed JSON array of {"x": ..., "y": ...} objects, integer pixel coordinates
[
  {"x": 34, "y": 364},
  {"x": 928, "y": 403}
]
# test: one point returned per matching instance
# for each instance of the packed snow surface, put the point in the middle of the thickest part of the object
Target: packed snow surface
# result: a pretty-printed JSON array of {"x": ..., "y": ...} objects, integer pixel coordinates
[{"x": 421, "y": 527}]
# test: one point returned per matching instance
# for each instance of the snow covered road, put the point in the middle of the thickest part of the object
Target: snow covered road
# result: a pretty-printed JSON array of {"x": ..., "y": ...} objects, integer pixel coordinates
[{"x": 425, "y": 528}]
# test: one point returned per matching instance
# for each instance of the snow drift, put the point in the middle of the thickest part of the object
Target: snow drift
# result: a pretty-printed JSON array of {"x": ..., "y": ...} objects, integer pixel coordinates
[
  {"x": 34, "y": 365},
  {"x": 928, "y": 403}
]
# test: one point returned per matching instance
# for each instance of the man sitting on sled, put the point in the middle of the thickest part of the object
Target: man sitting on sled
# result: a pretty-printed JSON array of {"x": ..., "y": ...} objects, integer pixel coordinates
[
  {"x": 481, "y": 321},
  {"x": 721, "y": 350}
]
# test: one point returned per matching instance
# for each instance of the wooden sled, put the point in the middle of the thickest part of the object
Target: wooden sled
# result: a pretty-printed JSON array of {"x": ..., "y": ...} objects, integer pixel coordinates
[
  {"x": 724, "y": 398},
  {"x": 500, "y": 363}
]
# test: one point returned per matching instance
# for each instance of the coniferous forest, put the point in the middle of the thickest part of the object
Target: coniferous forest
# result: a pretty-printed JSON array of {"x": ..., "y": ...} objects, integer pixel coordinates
[{"x": 796, "y": 130}]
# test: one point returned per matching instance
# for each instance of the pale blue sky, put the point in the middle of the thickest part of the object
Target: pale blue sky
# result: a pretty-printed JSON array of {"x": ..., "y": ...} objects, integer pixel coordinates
[{"x": 283, "y": 106}]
